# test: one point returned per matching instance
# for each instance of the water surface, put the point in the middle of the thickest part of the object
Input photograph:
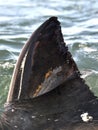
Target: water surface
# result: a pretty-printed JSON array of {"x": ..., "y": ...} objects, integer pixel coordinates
[{"x": 79, "y": 21}]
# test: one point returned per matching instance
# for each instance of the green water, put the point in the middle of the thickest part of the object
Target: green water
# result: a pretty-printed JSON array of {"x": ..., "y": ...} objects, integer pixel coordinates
[{"x": 79, "y": 20}]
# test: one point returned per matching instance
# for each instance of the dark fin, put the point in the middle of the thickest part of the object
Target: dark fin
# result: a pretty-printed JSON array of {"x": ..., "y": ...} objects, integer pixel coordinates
[
  {"x": 17, "y": 74},
  {"x": 46, "y": 63}
]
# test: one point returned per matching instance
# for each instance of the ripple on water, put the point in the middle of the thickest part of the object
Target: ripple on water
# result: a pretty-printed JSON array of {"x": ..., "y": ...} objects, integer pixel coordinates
[{"x": 6, "y": 69}]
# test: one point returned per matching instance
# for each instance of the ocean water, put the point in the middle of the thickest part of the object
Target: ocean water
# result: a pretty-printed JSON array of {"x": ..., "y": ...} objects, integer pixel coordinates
[{"x": 79, "y": 21}]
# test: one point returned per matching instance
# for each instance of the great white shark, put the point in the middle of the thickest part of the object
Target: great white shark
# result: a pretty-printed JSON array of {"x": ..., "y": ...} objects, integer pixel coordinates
[{"x": 46, "y": 90}]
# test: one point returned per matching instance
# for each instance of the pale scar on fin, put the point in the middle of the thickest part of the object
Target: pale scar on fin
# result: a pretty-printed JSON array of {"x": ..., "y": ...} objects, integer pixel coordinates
[{"x": 48, "y": 74}]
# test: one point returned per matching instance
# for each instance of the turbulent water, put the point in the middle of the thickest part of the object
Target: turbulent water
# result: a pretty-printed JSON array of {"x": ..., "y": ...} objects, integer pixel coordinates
[{"x": 79, "y": 21}]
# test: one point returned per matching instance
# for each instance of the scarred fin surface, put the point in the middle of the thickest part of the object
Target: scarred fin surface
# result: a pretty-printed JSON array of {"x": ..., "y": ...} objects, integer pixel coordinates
[{"x": 43, "y": 64}]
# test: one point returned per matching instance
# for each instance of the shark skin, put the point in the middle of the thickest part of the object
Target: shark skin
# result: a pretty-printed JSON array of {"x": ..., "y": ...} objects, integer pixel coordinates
[{"x": 47, "y": 91}]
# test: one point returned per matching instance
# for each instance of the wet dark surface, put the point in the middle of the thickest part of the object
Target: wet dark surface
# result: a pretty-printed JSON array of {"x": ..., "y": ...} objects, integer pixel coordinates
[
  {"x": 59, "y": 106},
  {"x": 79, "y": 20}
]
